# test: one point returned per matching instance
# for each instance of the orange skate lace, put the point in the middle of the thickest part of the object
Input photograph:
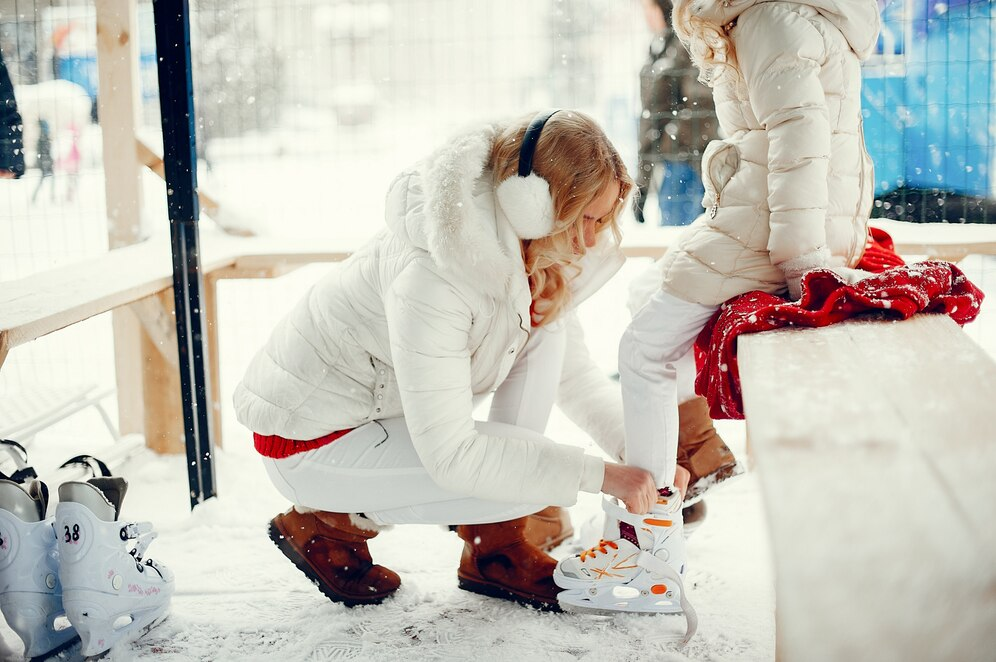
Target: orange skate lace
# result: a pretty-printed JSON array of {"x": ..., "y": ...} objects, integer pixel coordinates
[{"x": 600, "y": 547}]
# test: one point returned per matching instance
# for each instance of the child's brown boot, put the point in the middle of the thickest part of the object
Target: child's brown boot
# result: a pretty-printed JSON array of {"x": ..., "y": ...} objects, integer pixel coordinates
[{"x": 701, "y": 450}]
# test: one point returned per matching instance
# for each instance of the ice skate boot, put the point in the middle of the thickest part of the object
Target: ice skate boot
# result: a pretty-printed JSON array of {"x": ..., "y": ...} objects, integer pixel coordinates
[
  {"x": 618, "y": 575},
  {"x": 110, "y": 591},
  {"x": 30, "y": 591}
]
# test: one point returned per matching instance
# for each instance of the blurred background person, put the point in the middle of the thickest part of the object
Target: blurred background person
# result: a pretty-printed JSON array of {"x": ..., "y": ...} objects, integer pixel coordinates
[
  {"x": 44, "y": 160},
  {"x": 11, "y": 129},
  {"x": 677, "y": 121}
]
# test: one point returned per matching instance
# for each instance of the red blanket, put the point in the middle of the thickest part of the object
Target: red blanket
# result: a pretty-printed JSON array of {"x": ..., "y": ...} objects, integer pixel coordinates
[{"x": 898, "y": 290}]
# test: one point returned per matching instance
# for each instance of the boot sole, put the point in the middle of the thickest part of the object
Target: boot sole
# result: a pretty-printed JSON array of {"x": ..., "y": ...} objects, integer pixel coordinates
[
  {"x": 58, "y": 650},
  {"x": 504, "y": 593},
  {"x": 698, "y": 490},
  {"x": 282, "y": 542},
  {"x": 130, "y": 640}
]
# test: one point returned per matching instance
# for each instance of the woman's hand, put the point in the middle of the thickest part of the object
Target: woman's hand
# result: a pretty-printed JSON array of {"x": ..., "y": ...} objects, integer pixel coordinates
[
  {"x": 636, "y": 488},
  {"x": 633, "y": 486}
]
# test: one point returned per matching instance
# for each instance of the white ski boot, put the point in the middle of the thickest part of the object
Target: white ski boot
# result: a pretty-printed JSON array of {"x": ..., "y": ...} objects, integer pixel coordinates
[
  {"x": 30, "y": 591},
  {"x": 109, "y": 591},
  {"x": 617, "y": 575}
]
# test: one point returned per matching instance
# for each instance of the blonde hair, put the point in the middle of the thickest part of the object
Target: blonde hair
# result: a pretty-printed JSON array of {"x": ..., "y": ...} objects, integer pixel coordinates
[
  {"x": 708, "y": 44},
  {"x": 578, "y": 162}
]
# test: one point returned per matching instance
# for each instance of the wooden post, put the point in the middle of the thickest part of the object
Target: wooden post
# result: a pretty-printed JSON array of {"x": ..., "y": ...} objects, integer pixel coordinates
[
  {"x": 163, "y": 418},
  {"x": 209, "y": 302},
  {"x": 141, "y": 373}
]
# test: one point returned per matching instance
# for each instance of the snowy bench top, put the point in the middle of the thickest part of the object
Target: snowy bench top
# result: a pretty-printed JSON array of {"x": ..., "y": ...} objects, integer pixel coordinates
[{"x": 876, "y": 448}]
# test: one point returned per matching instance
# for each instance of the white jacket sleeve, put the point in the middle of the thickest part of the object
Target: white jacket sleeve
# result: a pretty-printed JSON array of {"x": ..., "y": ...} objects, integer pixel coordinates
[
  {"x": 588, "y": 396},
  {"x": 429, "y": 324},
  {"x": 779, "y": 53}
]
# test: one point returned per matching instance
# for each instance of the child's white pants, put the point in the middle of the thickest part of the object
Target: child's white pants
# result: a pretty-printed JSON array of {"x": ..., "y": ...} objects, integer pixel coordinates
[
  {"x": 661, "y": 333},
  {"x": 376, "y": 471}
]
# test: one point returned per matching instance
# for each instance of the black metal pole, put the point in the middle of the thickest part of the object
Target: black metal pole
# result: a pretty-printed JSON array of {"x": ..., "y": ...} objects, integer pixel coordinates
[{"x": 176, "y": 101}]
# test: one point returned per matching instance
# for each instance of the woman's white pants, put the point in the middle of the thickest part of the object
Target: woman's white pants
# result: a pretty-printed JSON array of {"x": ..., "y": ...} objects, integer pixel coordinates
[{"x": 375, "y": 470}]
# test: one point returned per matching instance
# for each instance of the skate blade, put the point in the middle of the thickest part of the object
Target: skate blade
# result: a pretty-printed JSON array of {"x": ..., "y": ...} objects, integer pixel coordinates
[
  {"x": 609, "y": 611},
  {"x": 63, "y": 652},
  {"x": 609, "y": 605},
  {"x": 130, "y": 638}
]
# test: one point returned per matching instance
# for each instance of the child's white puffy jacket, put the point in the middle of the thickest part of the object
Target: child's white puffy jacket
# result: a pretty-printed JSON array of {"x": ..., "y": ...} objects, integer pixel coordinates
[
  {"x": 792, "y": 176},
  {"x": 430, "y": 312}
]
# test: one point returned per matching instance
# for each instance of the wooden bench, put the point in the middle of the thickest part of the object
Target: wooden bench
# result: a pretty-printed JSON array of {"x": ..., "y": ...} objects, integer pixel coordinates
[
  {"x": 875, "y": 444},
  {"x": 139, "y": 278}
]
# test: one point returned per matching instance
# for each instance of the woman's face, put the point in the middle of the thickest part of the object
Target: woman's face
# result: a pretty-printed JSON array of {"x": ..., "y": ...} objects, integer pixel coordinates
[{"x": 596, "y": 214}]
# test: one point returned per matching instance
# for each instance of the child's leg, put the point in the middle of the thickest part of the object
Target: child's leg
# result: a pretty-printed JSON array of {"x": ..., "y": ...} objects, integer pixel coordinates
[{"x": 659, "y": 335}]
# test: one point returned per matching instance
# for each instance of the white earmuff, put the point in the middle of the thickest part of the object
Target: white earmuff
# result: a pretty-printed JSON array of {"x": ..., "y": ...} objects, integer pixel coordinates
[
  {"x": 525, "y": 198},
  {"x": 527, "y": 204}
]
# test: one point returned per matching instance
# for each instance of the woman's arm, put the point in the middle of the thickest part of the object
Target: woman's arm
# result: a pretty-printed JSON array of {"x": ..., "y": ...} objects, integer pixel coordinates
[{"x": 429, "y": 323}]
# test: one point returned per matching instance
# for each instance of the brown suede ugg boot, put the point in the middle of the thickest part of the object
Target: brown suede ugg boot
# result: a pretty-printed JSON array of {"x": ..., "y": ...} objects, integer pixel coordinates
[
  {"x": 331, "y": 550},
  {"x": 701, "y": 450},
  {"x": 549, "y": 527},
  {"x": 499, "y": 562}
]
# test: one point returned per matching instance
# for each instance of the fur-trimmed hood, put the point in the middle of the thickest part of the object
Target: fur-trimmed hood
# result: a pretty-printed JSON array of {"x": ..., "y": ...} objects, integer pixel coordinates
[
  {"x": 445, "y": 206},
  {"x": 857, "y": 20}
]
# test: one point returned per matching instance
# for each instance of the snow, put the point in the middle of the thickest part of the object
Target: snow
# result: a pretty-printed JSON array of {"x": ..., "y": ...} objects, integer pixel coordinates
[{"x": 238, "y": 598}]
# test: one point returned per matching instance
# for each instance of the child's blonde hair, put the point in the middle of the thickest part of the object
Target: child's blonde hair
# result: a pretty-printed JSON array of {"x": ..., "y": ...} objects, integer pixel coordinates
[
  {"x": 577, "y": 160},
  {"x": 708, "y": 44}
]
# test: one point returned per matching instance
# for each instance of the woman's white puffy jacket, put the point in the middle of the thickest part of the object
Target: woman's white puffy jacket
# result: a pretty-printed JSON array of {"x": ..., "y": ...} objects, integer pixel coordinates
[
  {"x": 792, "y": 177},
  {"x": 430, "y": 312}
]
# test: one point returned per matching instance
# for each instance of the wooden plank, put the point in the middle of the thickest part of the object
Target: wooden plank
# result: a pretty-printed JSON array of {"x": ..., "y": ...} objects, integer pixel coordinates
[
  {"x": 939, "y": 241},
  {"x": 152, "y": 159},
  {"x": 42, "y": 303},
  {"x": 119, "y": 100},
  {"x": 39, "y": 304},
  {"x": 878, "y": 516}
]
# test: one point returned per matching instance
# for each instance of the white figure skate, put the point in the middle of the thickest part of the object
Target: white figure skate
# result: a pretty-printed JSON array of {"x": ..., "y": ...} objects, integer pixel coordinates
[
  {"x": 617, "y": 575},
  {"x": 110, "y": 591},
  {"x": 30, "y": 591}
]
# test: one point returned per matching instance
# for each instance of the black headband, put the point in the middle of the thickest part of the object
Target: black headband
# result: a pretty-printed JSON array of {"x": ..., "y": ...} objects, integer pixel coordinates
[{"x": 529, "y": 141}]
